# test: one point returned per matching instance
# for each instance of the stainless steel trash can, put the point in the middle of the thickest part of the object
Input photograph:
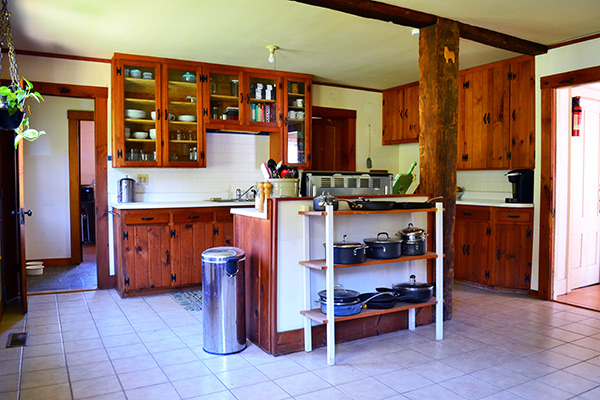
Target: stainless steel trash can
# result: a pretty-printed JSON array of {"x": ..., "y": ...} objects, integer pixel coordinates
[{"x": 223, "y": 314}]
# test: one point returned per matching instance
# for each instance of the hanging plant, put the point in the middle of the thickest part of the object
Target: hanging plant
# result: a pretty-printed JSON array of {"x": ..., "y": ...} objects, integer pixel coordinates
[{"x": 13, "y": 111}]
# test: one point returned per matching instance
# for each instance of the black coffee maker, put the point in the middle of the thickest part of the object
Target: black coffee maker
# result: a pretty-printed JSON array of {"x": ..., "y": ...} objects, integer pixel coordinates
[{"x": 522, "y": 185}]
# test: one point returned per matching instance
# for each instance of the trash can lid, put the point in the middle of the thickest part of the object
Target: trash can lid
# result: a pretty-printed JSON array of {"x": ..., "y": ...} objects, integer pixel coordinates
[{"x": 223, "y": 254}]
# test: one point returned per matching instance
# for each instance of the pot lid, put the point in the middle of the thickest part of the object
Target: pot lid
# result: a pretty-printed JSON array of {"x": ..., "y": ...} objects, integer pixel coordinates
[
  {"x": 345, "y": 243},
  {"x": 412, "y": 230},
  {"x": 412, "y": 284},
  {"x": 340, "y": 294},
  {"x": 223, "y": 254},
  {"x": 383, "y": 237}
]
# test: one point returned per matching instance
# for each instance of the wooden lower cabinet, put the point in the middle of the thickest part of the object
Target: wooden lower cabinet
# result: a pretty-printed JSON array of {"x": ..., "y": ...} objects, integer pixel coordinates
[
  {"x": 158, "y": 249},
  {"x": 493, "y": 246}
]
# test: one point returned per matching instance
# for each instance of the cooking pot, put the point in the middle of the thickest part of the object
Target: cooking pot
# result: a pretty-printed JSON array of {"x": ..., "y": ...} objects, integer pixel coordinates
[
  {"x": 412, "y": 292},
  {"x": 340, "y": 295},
  {"x": 349, "y": 252},
  {"x": 319, "y": 202},
  {"x": 344, "y": 309},
  {"x": 414, "y": 241},
  {"x": 368, "y": 205},
  {"x": 383, "y": 247},
  {"x": 385, "y": 301}
]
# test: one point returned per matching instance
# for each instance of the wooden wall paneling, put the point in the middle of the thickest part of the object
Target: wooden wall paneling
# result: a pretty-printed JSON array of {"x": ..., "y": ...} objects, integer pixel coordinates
[
  {"x": 411, "y": 114},
  {"x": 438, "y": 105}
]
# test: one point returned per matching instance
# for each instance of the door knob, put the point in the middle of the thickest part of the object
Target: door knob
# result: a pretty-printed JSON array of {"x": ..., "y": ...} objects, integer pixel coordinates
[{"x": 22, "y": 213}]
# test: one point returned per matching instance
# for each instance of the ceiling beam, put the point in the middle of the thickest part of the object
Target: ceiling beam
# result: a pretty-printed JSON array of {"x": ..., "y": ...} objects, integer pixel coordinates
[{"x": 416, "y": 19}]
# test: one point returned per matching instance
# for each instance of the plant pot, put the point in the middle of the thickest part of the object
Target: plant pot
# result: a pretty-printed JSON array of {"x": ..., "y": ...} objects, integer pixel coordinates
[{"x": 10, "y": 122}]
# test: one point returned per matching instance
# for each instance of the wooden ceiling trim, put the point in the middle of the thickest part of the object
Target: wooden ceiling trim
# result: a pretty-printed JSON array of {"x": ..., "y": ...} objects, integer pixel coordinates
[{"x": 416, "y": 19}]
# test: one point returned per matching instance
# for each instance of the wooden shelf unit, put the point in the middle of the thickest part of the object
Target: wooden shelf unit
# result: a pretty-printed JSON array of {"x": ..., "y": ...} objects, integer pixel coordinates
[
  {"x": 329, "y": 267},
  {"x": 317, "y": 316}
]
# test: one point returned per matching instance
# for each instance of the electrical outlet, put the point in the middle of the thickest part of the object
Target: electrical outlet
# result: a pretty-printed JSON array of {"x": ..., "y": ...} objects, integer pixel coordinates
[{"x": 142, "y": 179}]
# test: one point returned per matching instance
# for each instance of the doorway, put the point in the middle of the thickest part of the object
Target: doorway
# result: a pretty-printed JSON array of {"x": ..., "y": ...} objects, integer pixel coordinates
[
  {"x": 333, "y": 139},
  {"x": 553, "y": 223}
]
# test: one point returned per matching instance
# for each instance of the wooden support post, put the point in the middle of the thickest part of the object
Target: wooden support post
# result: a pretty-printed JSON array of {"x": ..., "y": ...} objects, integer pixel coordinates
[{"x": 438, "y": 116}]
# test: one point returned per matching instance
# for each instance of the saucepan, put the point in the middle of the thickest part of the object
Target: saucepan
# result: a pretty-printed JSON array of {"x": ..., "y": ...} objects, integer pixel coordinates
[{"x": 348, "y": 308}]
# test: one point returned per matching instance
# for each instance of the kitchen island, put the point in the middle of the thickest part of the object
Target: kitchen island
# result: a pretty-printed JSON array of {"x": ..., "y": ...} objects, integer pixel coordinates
[{"x": 276, "y": 242}]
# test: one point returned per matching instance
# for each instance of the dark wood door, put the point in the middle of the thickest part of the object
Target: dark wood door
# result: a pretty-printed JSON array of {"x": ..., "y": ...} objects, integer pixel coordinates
[
  {"x": 187, "y": 245},
  {"x": 461, "y": 240},
  {"x": 512, "y": 255},
  {"x": 333, "y": 139},
  {"x": 21, "y": 214},
  {"x": 522, "y": 114}
]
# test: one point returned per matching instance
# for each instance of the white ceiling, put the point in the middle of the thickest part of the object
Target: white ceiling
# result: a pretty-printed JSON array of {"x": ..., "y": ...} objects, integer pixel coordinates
[{"x": 332, "y": 46}]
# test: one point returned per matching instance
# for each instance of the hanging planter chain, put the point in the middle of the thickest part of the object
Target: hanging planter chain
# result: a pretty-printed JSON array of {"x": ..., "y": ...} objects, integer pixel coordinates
[{"x": 6, "y": 36}]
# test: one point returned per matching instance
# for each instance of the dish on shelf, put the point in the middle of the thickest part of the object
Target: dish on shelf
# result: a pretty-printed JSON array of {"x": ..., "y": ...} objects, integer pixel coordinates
[
  {"x": 147, "y": 75},
  {"x": 135, "y": 114},
  {"x": 153, "y": 133},
  {"x": 140, "y": 135},
  {"x": 135, "y": 73},
  {"x": 188, "y": 77},
  {"x": 187, "y": 118}
]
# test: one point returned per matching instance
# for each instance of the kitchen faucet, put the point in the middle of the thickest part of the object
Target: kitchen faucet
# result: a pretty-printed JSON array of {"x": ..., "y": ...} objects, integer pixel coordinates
[{"x": 239, "y": 194}]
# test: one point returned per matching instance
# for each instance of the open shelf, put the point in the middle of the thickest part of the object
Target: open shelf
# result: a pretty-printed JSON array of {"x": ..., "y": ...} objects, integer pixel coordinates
[
  {"x": 261, "y": 100},
  {"x": 316, "y": 314},
  {"x": 222, "y": 97},
  {"x": 140, "y": 101},
  {"x": 321, "y": 264},
  {"x": 361, "y": 212}
]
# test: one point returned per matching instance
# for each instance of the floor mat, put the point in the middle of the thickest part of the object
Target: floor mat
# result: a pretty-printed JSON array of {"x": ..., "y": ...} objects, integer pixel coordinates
[{"x": 191, "y": 301}]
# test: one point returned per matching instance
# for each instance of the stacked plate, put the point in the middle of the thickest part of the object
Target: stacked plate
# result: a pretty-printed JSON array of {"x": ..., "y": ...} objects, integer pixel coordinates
[
  {"x": 135, "y": 114},
  {"x": 34, "y": 267},
  {"x": 187, "y": 118}
]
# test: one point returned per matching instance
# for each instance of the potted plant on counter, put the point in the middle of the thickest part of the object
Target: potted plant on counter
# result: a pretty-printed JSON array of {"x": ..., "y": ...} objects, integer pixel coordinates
[{"x": 13, "y": 114}]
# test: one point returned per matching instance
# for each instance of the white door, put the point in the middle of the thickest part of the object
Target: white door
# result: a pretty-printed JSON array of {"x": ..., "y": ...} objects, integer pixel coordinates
[{"x": 583, "y": 251}]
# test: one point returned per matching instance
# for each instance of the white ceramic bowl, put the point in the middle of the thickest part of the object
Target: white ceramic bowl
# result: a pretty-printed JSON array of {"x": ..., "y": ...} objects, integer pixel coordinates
[
  {"x": 33, "y": 263},
  {"x": 135, "y": 114},
  {"x": 127, "y": 132},
  {"x": 135, "y": 73},
  {"x": 153, "y": 115},
  {"x": 34, "y": 269},
  {"x": 147, "y": 75},
  {"x": 153, "y": 134},
  {"x": 140, "y": 135},
  {"x": 187, "y": 118},
  {"x": 188, "y": 77}
]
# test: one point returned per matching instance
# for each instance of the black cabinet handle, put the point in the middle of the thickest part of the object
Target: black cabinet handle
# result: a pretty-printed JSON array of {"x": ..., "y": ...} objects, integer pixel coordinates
[
  {"x": 488, "y": 118},
  {"x": 168, "y": 258},
  {"x": 514, "y": 115},
  {"x": 406, "y": 113},
  {"x": 247, "y": 98},
  {"x": 513, "y": 216},
  {"x": 468, "y": 249},
  {"x": 166, "y": 115},
  {"x": 147, "y": 218},
  {"x": 242, "y": 98},
  {"x": 463, "y": 248},
  {"x": 484, "y": 121},
  {"x": 401, "y": 117},
  {"x": 158, "y": 114},
  {"x": 498, "y": 255},
  {"x": 193, "y": 216},
  {"x": 467, "y": 213}
]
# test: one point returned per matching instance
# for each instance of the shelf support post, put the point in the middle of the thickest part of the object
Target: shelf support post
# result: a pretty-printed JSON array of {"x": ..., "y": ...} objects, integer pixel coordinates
[
  {"x": 306, "y": 282},
  {"x": 329, "y": 282},
  {"x": 439, "y": 271}
]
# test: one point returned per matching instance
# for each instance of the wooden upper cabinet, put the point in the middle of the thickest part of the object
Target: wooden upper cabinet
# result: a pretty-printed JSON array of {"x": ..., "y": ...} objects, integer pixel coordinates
[
  {"x": 296, "y": 142},
  {"x": 401, "y": 115},
  {"x": 496, "y": 116},
  {"x": 522, "y": 114},
  {"x": 156, "y": 108},
  {"x": 224, "y": 98}
]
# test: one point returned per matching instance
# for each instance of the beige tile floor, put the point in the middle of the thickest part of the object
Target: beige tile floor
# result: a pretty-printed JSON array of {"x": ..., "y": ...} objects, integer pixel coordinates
[{"x": 96, "y": 345}]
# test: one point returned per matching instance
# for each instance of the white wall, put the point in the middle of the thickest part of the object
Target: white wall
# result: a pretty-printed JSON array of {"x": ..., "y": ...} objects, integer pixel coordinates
[
  {"x": 46, "y": 168},
  {"x": 563, "y": 59}
]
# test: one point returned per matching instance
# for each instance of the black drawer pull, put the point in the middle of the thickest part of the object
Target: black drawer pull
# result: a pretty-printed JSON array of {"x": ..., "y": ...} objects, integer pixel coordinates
[
  {"x": 193, "y": 216},
  {"x": 468, "y": 249},
  {"x": 168, "y": 258},
  {"x": 147, "y": 218},
  {"x": 467, "y": 213},
  {"x": 513, "y": 216}
]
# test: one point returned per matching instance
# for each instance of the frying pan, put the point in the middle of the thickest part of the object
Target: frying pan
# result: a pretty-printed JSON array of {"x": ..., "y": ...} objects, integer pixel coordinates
[{"x": 368, "y": 205}]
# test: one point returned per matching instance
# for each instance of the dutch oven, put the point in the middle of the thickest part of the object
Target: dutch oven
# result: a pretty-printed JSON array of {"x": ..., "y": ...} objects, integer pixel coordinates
[
  {"x": 347, "y": 308},
  {"x": 349, "y": 252},
  {"x": 383, "y": 246},
  {"x": 413, "y": 241},
  {"x": 319, "y": 202},
  {"x": 368, "y": 205},
  {"x": 412, "y": 292}
]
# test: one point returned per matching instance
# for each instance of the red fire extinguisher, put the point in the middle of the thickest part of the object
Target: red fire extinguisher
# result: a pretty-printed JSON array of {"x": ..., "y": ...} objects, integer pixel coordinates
[{"x": 577, "y": 113}]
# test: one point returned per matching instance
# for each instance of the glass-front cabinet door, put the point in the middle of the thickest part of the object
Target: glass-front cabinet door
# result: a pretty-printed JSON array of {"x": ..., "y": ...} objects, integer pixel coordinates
[
  {"x": 297, "y": 125},
  {"x": 183, "y": 134},
  {"x": 225, "y": 98},
  {"x": 136, "y": 143},
  {"x": 262, "y": 104}
]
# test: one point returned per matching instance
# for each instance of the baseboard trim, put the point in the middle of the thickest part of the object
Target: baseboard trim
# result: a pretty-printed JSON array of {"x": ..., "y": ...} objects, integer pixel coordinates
[{"x": 54, "y": 262}]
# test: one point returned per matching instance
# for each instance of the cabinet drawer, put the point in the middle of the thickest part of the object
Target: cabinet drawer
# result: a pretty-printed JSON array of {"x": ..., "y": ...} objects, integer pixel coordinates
[
  {"x": 146, "y": 217},
  {"x": 473, "y": 212},
  {"x": 188, "y": 216},
  {"x": 512, "y": 215}
]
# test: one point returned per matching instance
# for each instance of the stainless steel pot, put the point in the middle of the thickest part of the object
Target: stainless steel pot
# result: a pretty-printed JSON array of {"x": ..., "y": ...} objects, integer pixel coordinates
[
  {"x": 411, "y": 233},
  {"x": 383, "y": 247},
  {"x": 319, "y": 202},
  {"x": 414, "y": 240}
]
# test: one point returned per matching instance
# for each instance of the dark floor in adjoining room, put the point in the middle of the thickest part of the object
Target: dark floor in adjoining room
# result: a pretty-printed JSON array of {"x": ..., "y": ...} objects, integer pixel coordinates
[{"x": 67, "y": 277}]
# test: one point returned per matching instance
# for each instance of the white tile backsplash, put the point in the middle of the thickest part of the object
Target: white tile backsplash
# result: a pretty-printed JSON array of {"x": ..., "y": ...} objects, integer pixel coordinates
[
  {"x": 484, "y": 181},
  {"x": 233, "y": 161}
]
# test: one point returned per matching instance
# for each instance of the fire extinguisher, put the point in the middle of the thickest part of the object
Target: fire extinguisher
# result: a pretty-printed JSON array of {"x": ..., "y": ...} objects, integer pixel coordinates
[{"x": 577, "y": 113}]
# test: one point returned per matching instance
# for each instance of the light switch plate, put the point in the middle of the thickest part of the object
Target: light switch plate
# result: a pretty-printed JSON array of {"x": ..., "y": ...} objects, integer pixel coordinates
[{"x": 142, "y": 179}]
